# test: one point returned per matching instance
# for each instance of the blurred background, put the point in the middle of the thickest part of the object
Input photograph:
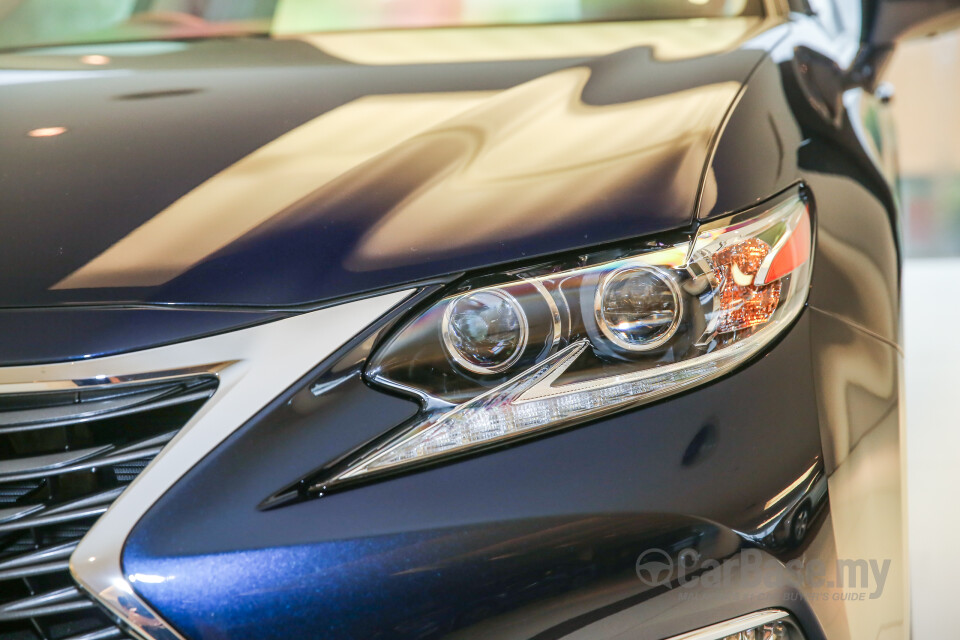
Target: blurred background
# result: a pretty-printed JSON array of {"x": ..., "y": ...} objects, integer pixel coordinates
[
  {"x": 926, "y": 79},
  {"x": 925, "y": 75}
]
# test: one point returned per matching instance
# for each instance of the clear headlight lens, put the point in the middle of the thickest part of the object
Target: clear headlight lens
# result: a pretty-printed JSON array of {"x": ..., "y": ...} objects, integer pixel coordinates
[
  {"x": 485, "y": 331},
  {"x": 550, "y": 346},
  {"x": 639, "y": 307}
]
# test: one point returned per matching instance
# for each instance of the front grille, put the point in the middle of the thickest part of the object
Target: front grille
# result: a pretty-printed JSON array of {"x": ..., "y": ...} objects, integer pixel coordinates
[{"x": 64, "y": 458}]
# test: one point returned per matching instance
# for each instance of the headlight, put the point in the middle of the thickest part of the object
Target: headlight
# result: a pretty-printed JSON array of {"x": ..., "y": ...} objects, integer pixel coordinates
[{"x": 546, "y": 347}]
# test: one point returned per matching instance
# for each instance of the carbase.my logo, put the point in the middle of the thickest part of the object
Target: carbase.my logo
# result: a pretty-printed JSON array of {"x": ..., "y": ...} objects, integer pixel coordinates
[
  {"x": 654, "y": 567},
  {"x": 751, "y": 568}
]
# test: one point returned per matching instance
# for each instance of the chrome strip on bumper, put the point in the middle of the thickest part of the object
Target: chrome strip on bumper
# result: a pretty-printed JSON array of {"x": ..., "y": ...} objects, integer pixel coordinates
[{"x": 733, "y": 627}]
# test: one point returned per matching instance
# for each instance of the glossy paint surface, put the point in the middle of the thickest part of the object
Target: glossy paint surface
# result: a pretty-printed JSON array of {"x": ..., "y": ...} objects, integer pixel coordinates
[
  {"x": 285, "y": 171},
  {"x": 61, "y": 335},
  {"x": 548, "y": 532},
  {"x": 473, "y": 154}
]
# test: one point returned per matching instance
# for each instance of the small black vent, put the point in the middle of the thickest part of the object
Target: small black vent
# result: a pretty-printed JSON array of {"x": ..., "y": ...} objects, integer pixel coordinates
[{"x": 64, "y": 458}]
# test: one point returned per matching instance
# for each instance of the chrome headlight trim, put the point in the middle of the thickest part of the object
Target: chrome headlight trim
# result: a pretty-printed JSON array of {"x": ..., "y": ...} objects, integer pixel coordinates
[
  {"x": 729, "y": 628},
  {"x": 503, "y": 366},
  {"x": 250, "y": 373},
  {"x": 604, "y": 325}
]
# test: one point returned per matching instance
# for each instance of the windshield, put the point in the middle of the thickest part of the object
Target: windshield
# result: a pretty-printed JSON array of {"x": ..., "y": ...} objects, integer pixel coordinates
[{"x": 56, "y": 22}]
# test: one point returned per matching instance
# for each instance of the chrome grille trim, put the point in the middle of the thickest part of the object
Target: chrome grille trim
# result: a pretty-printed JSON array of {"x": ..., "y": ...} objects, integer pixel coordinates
[
  {"x": 99, "y": 458},
  {"x": 38, "y": 515},
  {"x": 93, "y": 433},
  {"x": 102, "y": 634},
  {"x": 36, "y": 557},
  {"x": 27, "y": 421},
  {"x": 52, "y": 602},
  {"x": 34, "y": 570},
  {"x": 81, "y": 376}
]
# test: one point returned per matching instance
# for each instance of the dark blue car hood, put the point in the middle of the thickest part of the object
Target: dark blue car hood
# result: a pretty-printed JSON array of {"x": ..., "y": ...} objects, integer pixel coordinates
[{"x": 276, "y": 172}]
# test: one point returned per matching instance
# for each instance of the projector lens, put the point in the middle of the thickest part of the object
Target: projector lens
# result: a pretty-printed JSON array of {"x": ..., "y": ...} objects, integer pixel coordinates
[
  {"x": 639, "y": 308},
  {"x": 485, "y": 331}
]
